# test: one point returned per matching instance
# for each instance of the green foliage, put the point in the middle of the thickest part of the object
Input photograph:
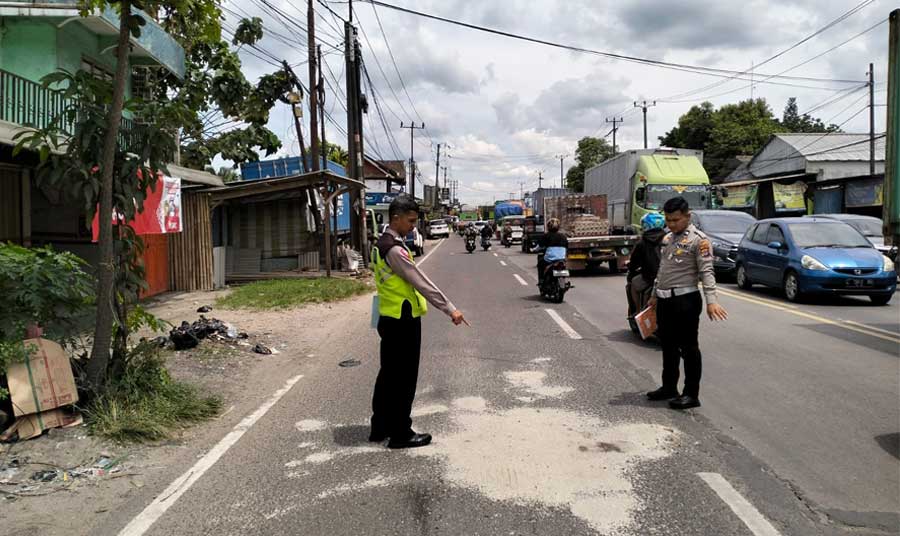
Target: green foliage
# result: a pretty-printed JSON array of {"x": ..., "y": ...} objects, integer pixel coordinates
[
  {"x": 590, "y": 152},
  {"x": 43, "y": 287},
  {"x": 248, "y": 32},
  {"x": 694, "y": 128},
  {"x": 792, "y": 121},
  {"x": 337, "y": 154},
  {"x": 146, "y": 404},
  {"x": 289, "y": 293}
]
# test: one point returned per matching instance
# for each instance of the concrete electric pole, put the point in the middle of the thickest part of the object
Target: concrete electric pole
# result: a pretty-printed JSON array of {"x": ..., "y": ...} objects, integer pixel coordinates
[
  {"x": 644, "y": 107},
  {"x": 412, "y": 156},
  {"x": 615, "y": 122}
]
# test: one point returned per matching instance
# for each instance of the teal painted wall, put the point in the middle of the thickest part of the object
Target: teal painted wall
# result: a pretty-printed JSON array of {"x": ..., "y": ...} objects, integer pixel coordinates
[{"x": 28, "y": 47}]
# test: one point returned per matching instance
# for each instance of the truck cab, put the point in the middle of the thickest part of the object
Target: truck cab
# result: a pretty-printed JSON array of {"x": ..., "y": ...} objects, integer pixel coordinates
[{"x": 660, "y": 177}]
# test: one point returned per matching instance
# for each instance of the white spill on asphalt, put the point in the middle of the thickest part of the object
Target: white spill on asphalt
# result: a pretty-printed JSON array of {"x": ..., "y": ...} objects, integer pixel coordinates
[
  {"x": 533, "y": 382},
  {"x": 310, "y": 425},
  {"x": 470, "y": 403},
  {"x": 377, "y": 481},
  {"x": 553, "y": 457},
  {"x": 430, "y": 409}
]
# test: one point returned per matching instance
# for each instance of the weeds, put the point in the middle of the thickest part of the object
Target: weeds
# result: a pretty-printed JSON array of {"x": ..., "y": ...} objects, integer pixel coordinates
[
  {"x": 146, "y": 404},
  {"x": 289, "y": 293}
]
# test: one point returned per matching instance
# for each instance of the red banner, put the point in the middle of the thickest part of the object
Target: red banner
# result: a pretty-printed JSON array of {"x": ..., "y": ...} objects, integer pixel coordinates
[{"x": 162, "y": 210}]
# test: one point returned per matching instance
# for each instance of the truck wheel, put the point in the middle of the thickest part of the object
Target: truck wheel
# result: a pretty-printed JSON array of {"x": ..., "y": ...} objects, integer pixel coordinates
[{"x": 614, "y": 266}]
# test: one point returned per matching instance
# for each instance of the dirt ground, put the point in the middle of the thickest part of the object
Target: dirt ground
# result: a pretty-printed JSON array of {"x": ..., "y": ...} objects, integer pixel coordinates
[{"x": 57, "y": 483}]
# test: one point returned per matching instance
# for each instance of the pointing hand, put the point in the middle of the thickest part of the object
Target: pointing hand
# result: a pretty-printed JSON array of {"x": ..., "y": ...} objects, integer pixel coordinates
[{"x": 458, "y": 318}]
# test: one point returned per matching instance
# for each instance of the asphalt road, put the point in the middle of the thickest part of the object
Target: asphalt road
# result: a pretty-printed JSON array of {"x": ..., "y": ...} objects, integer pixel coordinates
[
  {"x": 812, "y": 389},
  {"x": 541, "y": 427}
]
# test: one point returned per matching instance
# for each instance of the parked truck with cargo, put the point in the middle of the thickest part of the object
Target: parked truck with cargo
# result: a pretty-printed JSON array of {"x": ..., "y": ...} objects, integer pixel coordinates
[
  {"x": 584, "y": 220},
  {"x": 639, "y": 181}
]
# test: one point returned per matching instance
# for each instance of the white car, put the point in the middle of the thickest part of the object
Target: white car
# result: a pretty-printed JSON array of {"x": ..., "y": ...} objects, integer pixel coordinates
[
  {"x": 413, "y": 241},
  {"x": 438, "y": 228}
]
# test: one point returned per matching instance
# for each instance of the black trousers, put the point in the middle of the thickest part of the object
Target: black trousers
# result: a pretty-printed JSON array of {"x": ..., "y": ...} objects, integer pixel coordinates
[
  {"x": 395, "y": 387},
  {"x": 541, "y": 267},
  {"x": 678, "y": 323}
]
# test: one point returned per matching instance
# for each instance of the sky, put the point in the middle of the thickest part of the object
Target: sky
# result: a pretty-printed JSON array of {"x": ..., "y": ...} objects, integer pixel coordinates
[{"x": 503, "y": 110}]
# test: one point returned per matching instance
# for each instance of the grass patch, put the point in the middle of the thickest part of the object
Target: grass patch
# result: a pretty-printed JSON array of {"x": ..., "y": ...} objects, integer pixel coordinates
[
  {"x": 146, "y": 404},
  {"x": 289, "y": 293}
]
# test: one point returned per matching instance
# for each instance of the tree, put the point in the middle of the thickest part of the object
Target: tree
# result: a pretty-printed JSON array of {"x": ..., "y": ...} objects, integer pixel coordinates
[
  {"x": 792, "y": 121},
  {"x": 590, "y": 152},
  {"x": 694, "y": 128},
  {"x": 337, "y": 154}
]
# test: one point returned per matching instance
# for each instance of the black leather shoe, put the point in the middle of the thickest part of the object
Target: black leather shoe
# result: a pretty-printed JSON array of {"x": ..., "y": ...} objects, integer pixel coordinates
[
  {"x": 684, "y": 402},
  {"x": 377, "y": 437},
  {"x": 413, "y": 441},
  {"x": 662, "y": 394}
]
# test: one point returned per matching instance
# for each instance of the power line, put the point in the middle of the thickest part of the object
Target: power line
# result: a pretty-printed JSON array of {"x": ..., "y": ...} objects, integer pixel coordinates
[
  {"x": 831, "y": 24},
  {"x": 708, "y": 71}
]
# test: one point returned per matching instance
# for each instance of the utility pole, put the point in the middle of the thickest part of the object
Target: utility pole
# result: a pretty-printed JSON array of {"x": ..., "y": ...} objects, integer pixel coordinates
[
  {"x": 313, "y": 92},
  {"x": 437, "y": 173},
  {"x": 521, "y": 190},
  {"x": 295, "y": 98},
  {"x": 561, "y": 158},
  {"x": 615, "y": 123},
  {"x": 872, "y": 119},
  {"x": 891, "y": 207},
  {"x": 412, "y": 156},
  {"x": 321, "y": 88},
  {"x": 644, "y": 107},
  {"x": 540, "y": 179}
]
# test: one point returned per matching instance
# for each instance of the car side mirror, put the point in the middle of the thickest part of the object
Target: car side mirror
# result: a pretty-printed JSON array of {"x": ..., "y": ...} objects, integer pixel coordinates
[
  {"x": 379, "y": 218},
  {"x": 776, "y": 245},
  {"x": 639, "y": 195}
]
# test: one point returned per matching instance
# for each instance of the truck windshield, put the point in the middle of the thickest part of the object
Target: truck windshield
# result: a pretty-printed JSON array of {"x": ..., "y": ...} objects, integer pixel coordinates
[{"x": 697, "y": 195}]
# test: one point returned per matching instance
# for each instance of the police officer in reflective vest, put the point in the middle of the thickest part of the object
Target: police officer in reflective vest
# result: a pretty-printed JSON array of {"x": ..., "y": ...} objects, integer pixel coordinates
[
  {"x": 686, "y": 260},
  {"x": 403, "y": 291}
]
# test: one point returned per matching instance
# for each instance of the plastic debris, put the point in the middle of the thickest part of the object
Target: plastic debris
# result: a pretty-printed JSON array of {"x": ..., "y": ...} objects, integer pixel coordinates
[
  {"x": 261, "y": 348},
  {"x": 184, "y": 337},
  {"x": 48, "y": 475},
  {"x": 204, "y": 309},
  {"x": 103, "y": 463},
  {"x": 349, "y": 363}
]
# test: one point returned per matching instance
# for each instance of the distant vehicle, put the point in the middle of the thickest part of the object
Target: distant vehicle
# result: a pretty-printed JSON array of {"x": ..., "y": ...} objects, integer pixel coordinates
[
  {"x": 516, "y": 224},
  {"x": 640, "y": 181},
  {"x": 870, "y": 227},
  {"x": 812, "y": 255},
  {"x": 479, "y": 225},
  {"x": 413, "y": 241},
  {"x": 725, "y": 228},
  {"x": 437, "y": 228}
]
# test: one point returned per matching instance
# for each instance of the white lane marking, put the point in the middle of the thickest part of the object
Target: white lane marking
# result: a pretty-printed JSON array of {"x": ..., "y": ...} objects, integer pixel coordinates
[
  {"x": 873, "y": 328},
  {"x": 140, "y": 524},
  {"x": 425, "y": 258},
  {"x": 564, "y": 325},
  {"x": 751, "y": 517},
  {"x": 495, "y": 255},
  {"x": 502, "y": 263},
  {"x": 520, "y": 280}
]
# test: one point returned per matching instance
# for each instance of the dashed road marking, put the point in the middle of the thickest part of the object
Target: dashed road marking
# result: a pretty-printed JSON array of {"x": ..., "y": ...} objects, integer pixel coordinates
[
  {"x": 502, "y": 263},
  {"x": 520, "y": 280},
  {"x": 563, "y": 324},
  {"x": 142, "y": 523},
  {"x": 747, "y": 513},
  {"x": 495, "y": 255}
]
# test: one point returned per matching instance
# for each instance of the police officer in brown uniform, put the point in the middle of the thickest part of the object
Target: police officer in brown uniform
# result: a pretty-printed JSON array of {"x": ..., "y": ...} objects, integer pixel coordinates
[{"x": 686, "y": 260}]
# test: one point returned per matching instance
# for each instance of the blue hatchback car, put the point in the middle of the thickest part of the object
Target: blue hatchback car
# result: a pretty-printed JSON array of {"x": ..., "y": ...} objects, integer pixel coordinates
[{"x": 810, "y": 255}]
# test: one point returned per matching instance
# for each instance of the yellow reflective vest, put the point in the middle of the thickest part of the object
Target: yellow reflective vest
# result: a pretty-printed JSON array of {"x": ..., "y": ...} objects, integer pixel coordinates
[{"x": 393, "y": 290}]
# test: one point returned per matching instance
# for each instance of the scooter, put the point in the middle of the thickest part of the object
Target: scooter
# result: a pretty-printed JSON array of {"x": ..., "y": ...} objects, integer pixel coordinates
[
  {"x": 470, "y": 244},
  {"x": 556, "y": 282},
  {"x": 635, "y": 308},
  {"x": 506, "y": 240},
  {"x": 486, "y": 243}
]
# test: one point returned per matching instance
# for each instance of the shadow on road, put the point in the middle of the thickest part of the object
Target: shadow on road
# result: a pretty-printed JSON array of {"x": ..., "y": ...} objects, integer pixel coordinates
[
  {"x": 627, "y": 336},
  {"x": 637, "y": 399},
  {"x": 890, "y": 443},
  {"x": 351, "y": 436},
  {"x": 813, "y": 299}
]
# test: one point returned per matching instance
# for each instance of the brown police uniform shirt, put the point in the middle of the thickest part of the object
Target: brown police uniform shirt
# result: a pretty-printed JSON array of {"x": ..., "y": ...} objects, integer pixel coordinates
[{"x": 687, "y": 259}]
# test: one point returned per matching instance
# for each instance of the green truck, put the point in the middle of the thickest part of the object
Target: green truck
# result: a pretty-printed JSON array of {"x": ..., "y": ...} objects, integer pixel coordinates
[{"x": 640, "y": 181}]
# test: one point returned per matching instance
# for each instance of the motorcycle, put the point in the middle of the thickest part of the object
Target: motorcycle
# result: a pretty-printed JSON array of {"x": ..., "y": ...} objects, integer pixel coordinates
[
  {"x": 636, "y": 307},
  {"x": 506, "y": 239},
  {"x": 556, "y": 282},
  {"x": 470, "y": 244},
  {"x": 486, "y": 243}
]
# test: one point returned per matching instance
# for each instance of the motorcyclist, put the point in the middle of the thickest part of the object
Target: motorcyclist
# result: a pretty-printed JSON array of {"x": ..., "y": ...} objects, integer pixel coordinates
[
  {"x": 470, "y": 230},
  {"x": 487, "y": 232},
  {"x": 553, "y": 247},
  {"x": 507, "y": 231},
  {"x": 644, "y": 263}
]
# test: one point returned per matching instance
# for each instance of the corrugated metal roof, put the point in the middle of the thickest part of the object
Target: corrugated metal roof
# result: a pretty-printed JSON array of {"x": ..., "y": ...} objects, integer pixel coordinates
[{"x": 833, "y": 147}]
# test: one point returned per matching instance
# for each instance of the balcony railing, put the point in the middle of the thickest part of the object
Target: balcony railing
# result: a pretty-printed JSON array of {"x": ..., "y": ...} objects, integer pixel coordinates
[{"x": 29, "y": 104}]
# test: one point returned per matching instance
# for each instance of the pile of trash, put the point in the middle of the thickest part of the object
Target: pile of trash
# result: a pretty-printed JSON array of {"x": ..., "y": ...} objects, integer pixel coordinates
[
  {"x": 20, "y": 477},
  {"x": 188, "y": 335}
]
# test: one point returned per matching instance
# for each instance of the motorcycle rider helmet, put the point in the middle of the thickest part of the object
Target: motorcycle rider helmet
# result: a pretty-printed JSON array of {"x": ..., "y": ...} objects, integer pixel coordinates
[{"x": 652, "y": 220}]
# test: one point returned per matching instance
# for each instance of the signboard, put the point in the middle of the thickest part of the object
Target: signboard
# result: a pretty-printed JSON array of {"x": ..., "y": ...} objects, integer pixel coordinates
[
  {"x": 789, "y": 197},
  {"x": 864, "y": 193},
  {"x": 445, "y": 194},
  {"x": 380, "y": 198},
  {"x": 161, "y": 214},
  {"x": 741, "y": 196}
]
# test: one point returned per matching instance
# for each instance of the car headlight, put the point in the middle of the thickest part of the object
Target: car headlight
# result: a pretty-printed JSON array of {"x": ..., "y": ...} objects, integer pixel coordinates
[
  {"x": 624, "y": 251},
  {"x": 811, "y": 263},
  {"x": 888, "y": 265}
]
